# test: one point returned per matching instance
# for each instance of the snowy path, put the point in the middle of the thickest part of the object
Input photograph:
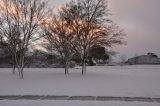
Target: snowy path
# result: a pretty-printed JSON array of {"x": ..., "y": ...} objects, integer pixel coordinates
[
  {"x": 81, "y": 98},
  {"x": 73, "y": 103}
]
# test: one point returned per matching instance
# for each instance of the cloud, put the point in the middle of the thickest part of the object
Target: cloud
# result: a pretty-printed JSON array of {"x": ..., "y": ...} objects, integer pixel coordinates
[{"x": 141, "y": 21}]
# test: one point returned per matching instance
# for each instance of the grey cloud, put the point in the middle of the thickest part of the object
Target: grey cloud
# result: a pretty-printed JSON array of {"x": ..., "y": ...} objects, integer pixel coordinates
[{"x": 141, "y": 21}]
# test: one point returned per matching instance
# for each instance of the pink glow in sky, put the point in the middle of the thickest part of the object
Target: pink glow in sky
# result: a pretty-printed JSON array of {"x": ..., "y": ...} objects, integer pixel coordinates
[{"x": 141, "y": 21}]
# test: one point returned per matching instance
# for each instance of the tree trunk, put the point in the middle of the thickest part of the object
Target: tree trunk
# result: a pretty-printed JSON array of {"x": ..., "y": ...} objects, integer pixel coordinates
[
  {"x": 22, "y": 67},
  {"x": 14, "y": 67},
  {"x": 84, "y": 62},
  {"x": 66, "y": 67},
  {"x": 83, "y": 66},
  {"x": 21, "y": 72}
]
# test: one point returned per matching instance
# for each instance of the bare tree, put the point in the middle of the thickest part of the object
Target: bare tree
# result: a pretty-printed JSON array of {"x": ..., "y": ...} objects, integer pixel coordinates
[
  {"x": 60, "y": 38},
  {"x": 22, "y": 21},
  {"x": 89, "y": 20},
  {"x": 8, "y": 29}
]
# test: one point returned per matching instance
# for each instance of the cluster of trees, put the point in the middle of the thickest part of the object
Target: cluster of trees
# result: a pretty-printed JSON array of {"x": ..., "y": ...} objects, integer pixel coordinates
[{"x": 74, "y": 29}]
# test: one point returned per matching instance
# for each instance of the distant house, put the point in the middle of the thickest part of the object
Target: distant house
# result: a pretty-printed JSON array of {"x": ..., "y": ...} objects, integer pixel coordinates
[{"x": 150, "y": 58}]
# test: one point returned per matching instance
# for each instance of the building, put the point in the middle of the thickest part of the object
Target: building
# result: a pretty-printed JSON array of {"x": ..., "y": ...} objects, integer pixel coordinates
[{"x": 150, "y": 58}]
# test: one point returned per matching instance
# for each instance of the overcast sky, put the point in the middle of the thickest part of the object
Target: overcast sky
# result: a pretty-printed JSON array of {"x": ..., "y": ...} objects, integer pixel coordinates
[{"x": 141, "y": 21}]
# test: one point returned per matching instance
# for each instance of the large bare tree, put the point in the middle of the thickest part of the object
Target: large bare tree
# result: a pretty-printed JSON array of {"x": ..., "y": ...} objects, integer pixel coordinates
[
  {"x": 20, "y": 23},
  {"x": 89, "y": 20}
]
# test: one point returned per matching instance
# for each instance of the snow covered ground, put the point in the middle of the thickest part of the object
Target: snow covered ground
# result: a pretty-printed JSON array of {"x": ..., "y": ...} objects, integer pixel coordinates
[
  {"x": 73, "y": 103},
  {"x": 130, "y": 81}
]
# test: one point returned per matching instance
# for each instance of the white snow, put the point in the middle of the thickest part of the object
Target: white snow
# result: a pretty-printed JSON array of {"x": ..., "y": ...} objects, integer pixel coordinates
[
  {"x": 73, "y": 103},
  {"x": 136, "y": 81}
]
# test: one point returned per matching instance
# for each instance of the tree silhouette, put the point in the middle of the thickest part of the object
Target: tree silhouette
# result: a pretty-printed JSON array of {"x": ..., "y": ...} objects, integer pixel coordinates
[
  {"x": 89, "y": 20},
  {"x": 20, "y": 23}
]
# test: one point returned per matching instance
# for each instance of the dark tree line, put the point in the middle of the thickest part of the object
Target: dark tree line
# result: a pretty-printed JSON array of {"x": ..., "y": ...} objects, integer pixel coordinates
[{"x": 75, "y": 29}]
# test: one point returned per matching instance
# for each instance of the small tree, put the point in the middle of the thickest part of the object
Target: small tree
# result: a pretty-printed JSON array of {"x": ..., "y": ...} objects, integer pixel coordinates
[
  {"x": 98, "y": 53},
  {"x": 89, "y": 20},
  {"x": 60, "y": 39}
]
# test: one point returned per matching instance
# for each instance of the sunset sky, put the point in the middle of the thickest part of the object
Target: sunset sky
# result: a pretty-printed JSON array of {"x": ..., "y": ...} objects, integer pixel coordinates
[{"x": 141, "y": 21}]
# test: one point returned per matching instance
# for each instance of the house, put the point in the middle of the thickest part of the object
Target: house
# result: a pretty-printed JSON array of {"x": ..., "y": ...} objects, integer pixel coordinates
[{"x": 150, "y": 58}]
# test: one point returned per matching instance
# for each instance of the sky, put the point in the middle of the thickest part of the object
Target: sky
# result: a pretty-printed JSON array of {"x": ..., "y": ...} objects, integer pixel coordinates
[{"x": 140, "y": 20}]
